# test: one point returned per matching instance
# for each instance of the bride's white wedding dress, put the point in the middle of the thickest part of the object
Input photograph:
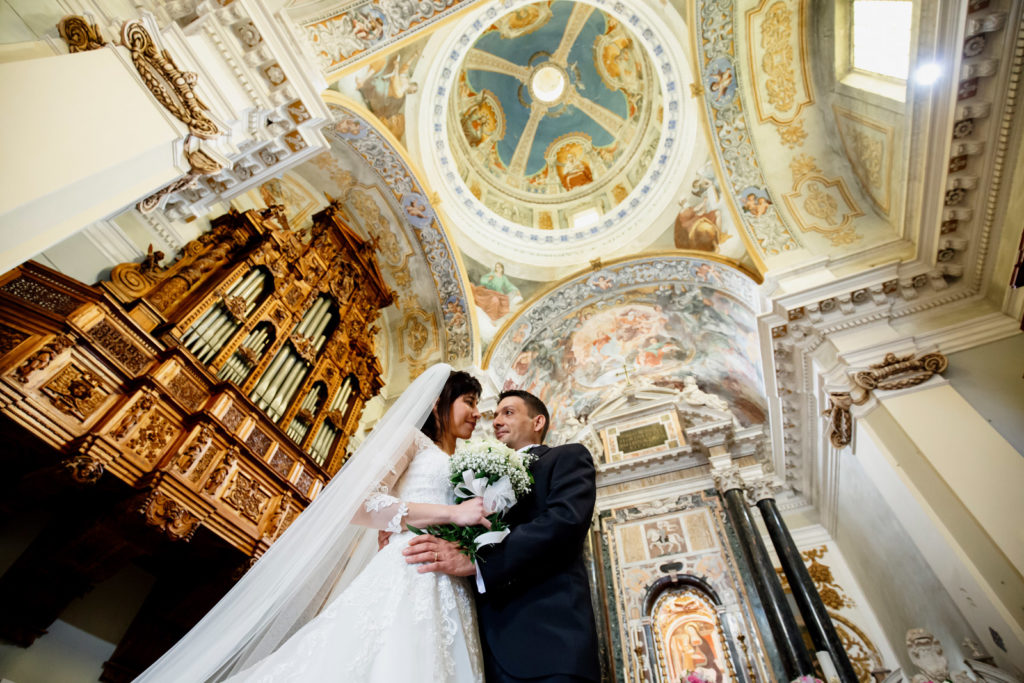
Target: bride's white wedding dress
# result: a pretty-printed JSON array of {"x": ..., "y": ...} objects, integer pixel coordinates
[{"x": 391, "y": 623}]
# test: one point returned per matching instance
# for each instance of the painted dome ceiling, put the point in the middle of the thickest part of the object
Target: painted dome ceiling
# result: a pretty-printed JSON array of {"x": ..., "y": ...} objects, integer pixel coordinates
[{"x": 556, "y": 105}]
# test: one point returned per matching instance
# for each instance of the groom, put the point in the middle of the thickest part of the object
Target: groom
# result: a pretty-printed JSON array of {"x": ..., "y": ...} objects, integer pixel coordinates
[{"x": 533, "y": 599}]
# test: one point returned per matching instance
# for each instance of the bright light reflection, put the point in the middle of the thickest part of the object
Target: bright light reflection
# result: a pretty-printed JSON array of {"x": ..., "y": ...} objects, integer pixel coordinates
[
  {"x": 585, "y": 219},
  {"x": 927, "y": 73},
  {"x": 881, "y": 37},
  {"x": 547, "y": 84}
]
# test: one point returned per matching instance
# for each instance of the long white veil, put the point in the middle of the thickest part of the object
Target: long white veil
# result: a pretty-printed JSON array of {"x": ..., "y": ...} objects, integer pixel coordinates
[{"x": 317, "y": 556}]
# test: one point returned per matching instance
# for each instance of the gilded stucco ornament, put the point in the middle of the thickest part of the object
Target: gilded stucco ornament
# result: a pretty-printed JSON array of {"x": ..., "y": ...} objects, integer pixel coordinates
[
  {"x": 894, "y": 372},
  {"x": 79, "y": 34},
  {"x": 173, "y": 88}
]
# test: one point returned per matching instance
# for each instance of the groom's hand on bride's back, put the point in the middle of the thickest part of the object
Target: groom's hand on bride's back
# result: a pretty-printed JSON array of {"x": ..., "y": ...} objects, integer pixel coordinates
[{"x": 436, "y": 555}]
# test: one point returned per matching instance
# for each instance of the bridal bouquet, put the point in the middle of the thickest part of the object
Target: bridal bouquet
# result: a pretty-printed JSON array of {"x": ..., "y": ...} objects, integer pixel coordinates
[{"x": 487, "y": 468}]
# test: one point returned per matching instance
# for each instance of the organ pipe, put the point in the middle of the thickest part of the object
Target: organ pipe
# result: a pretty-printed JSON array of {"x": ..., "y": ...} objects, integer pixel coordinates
[
  {"x": 208, "y": 335},
  {"x": 238, "y": 367},
  {"x": 276, "y": 388}
]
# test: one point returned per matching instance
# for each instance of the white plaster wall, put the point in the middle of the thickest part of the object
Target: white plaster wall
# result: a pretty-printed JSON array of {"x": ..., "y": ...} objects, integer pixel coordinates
[
  {"x": 903, "y": 561},
  {"x": 991, "y": 378},
  {"x": 77, "y": 153}
]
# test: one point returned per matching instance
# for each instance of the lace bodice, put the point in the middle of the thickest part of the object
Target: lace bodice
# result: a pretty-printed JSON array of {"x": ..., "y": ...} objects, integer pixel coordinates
[
  {"x": 422, "y": 478},
  {"x": 426, "y": 478}
]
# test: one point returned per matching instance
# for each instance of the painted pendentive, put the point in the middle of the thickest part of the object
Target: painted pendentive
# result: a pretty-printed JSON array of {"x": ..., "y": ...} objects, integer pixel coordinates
[{"x": 351, "y": 128}]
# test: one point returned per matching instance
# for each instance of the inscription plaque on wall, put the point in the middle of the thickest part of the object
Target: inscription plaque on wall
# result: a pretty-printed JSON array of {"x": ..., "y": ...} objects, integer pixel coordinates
[{"x": 640, "y": 438}]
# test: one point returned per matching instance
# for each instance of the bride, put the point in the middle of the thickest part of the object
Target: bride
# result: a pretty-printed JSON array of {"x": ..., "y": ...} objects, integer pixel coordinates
[{"x": 322, "y": 604}]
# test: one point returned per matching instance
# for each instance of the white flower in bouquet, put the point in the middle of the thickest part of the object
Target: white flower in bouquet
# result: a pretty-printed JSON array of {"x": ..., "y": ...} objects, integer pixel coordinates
[
  {"x": 492, "y": 459},
  {"x": 492, "y": 470}
]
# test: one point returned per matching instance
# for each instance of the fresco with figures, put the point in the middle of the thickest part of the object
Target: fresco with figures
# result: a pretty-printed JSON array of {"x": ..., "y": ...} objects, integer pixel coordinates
[
  {"x": 688, "y": 638},
  {"x": 496, "y": 295},
  {"x": 704, "y": 221},
  {"x": 383, "y": 85},
  {"x": 554, "y": 110},
  {"x": 657, "y": 335}
]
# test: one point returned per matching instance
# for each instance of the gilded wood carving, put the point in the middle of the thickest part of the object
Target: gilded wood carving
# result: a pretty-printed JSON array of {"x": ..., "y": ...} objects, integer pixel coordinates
[{"x": 230, "y": 464}]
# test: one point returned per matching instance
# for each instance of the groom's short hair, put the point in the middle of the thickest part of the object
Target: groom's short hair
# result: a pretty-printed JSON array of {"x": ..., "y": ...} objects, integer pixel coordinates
[{"x": 534, "y": 407}]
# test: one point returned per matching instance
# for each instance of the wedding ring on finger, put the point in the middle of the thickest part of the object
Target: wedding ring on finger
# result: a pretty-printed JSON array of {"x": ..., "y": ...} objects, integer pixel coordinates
[{"x": 435, "y": 556}]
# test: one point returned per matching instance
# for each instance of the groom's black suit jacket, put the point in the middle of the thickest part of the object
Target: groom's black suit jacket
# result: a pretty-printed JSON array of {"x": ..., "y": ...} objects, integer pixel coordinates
[{"x": 535, "y": 615}]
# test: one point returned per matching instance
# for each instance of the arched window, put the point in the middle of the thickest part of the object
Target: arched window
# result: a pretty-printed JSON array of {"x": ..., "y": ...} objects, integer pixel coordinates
[{"x": 208, "y": 335}]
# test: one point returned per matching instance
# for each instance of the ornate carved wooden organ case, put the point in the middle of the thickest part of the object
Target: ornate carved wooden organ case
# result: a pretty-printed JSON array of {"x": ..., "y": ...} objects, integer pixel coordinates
[{"x": 221, "y": 389}]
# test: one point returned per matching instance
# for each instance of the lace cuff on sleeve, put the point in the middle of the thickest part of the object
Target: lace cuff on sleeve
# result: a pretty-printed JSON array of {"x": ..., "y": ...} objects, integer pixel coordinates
[{"x": 382, "y": 511}]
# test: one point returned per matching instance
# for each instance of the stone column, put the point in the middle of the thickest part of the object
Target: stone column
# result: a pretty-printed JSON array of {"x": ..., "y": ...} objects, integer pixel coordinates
[
  {"x": 816, "y": 618},
  {"x": 795, "y": 659}
]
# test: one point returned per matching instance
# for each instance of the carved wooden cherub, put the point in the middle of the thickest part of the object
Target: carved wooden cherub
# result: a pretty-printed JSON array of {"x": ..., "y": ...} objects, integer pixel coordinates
[{"x": 151, "y": 263}]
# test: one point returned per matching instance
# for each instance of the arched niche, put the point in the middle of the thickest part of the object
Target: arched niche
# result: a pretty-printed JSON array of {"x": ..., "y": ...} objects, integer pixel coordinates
[{"x": 688, "y": 639}]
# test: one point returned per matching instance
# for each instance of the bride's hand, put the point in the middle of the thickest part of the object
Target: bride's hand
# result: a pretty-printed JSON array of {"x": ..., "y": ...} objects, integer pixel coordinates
[{"x": 470, "y": 513}]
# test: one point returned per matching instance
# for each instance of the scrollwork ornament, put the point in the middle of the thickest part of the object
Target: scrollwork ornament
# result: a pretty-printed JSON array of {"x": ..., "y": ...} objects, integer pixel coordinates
[
  {"x": 84, "y": 469},
  {"x": 202, "y": 163},
  {"x": 176, "y": 522},
  {"x": 900, "y": 372},
  {"x": 153, "y": 201},
  {"x": 79, "y": 34},
  {"x": 174, "y": 89},
  {"x": 840, "y": 421},
  {"x": 863, "y": 655}
]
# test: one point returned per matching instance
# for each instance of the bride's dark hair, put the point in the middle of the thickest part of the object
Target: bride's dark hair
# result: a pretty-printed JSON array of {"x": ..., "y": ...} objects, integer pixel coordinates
[{"x": 458, "y": 383}]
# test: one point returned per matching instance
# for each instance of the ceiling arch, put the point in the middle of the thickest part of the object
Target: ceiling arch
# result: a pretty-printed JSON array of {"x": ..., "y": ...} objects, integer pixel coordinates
[
  {"x": 366, "y": 136},
  {"x": 651, "y": 320}
]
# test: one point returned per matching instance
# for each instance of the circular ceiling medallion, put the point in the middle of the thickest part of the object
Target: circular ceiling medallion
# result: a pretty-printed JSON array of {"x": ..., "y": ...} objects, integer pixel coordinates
[{"x": 554, "y": 127}]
